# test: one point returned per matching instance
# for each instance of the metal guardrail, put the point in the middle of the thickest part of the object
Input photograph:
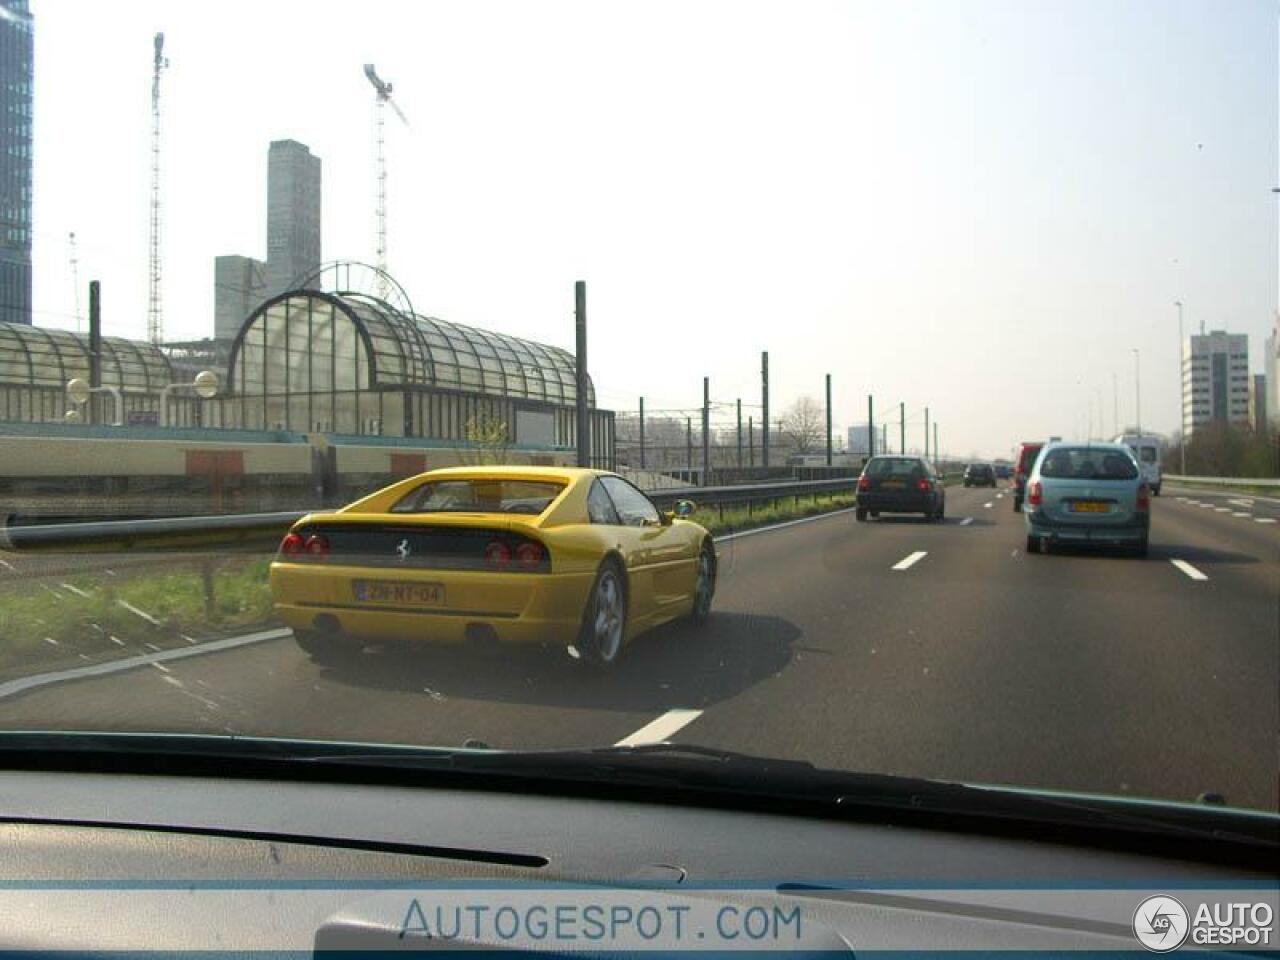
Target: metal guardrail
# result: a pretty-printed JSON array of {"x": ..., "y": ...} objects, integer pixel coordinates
[
  {"x": 1225, "y": 481},
  {"x": 249, "y": 529}
]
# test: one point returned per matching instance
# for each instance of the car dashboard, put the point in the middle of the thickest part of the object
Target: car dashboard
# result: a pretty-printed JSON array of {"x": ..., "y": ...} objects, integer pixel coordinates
[{"x": 102, "y": 861}]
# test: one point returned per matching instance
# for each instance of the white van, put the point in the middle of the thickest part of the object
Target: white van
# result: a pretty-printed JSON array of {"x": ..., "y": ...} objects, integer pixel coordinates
[{"x": 1146, "y": 450}]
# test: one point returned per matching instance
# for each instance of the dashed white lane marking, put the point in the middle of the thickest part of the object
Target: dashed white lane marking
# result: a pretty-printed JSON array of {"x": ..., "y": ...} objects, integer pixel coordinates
[
  {"x": 1221, "y": 509},
  {"x": 1206, "y": 506},
  {"x": 1264, "y": 519},
  {"x": 76, "y": 590},
  {"x": 988, "y": 505},
  {"x": 22, "y": 684},
  {"x": 1182, "y": 500},
  {"x": 910, "y": 560},
  {"x": 141, "y": 613},
  {"x": 662, "y": 729},
  {"x": 1189, "y": 570},
  {"x": 1239, "y": 513},
  {"x": 966, "y": 521},
  {"x": 1245, "y": 502}
]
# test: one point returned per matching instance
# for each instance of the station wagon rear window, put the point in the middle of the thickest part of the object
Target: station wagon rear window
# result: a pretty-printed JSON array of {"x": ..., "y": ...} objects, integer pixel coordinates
[
  {"x": 893, "y": 467},
  {"x": 1088, "y": 463},
  {"x": 480, "y": 495}
]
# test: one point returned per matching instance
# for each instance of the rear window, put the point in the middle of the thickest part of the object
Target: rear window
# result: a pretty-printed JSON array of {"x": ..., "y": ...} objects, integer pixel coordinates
[
  {"x": 894, "y": 467},
  {"x": 1148, "y": 454},
  {"x": 1085, "y": 463},
  {"x": 480, "y": 495}
]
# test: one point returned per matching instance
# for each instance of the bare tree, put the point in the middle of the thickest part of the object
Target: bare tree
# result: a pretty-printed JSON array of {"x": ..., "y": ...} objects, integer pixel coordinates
[
  {"x": 805, "y": 425},
  {"x": 488, "y": 440}
]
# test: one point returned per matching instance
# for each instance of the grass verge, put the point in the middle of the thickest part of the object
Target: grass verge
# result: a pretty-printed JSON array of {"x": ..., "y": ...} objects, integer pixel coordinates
[
  {"x": 90, "y": 619},
  {"x": 733, "y": 519}
]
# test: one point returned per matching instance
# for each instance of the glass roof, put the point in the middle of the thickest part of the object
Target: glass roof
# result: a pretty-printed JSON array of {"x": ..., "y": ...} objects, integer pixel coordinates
[
  {"x": 405, "y": 350},
  {"x": 37, "y": 357}
]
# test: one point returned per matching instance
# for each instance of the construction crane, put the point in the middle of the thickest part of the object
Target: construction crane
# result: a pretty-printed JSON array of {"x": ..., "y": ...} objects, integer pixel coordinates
[
  {"x": 155, "y": 306},
  {"x": 383, "y": 91},
  {"x": 75, "y": 274}
]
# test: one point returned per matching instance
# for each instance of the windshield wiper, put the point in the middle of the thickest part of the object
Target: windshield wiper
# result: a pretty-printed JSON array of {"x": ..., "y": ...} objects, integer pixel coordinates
[{"x": 686, "y": 773}]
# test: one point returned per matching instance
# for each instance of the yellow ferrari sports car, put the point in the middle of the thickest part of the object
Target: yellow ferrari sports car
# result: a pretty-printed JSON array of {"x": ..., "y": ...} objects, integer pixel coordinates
[{"x": 509, "y": 554}]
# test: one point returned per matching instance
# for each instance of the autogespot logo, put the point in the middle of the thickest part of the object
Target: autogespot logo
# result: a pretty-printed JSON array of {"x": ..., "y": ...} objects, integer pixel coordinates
[{"x": 1161, "y": 923}]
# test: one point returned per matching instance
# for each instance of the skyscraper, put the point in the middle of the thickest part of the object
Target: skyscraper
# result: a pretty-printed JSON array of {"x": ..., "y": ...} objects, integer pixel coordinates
[
  {"x": 1215, "y": 380},
  {"x": 17, "y": 75},
  {"x": 238, "y": 287},
  {"x": 293, "y": 214}
]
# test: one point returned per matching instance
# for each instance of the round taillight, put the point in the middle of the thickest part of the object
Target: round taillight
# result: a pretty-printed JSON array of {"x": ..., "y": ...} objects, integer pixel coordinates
[
  {"x": 497, "y": 554},
  {"x": 529, "y": 555},
  {"x": 291, "y": 545},
  {"x": 318, "y": 545}
]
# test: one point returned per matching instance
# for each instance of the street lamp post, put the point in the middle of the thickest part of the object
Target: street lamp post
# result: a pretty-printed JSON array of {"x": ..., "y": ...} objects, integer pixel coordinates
[
  {"x": 79, "y": 392},
  {"x": 1137, "y": 389},
  {"x": 1182, "y": 398},
  {"x": 205, "y": 386}
]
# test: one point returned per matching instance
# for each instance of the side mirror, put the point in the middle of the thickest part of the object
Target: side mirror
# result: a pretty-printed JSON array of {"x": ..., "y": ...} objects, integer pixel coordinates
[{"x": 684, "y": 508}]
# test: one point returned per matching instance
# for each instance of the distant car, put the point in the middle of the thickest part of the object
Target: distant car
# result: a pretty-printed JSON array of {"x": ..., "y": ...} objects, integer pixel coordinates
[
  {"x": 1003, "y": 471},
  {"x": 1027, "y": 453},
  {"x": 1087, "y": 495},
  {"x": 494, "y": 554},
  {"x": 979, "y": 475},
  {"x": 900, "y": 485}
]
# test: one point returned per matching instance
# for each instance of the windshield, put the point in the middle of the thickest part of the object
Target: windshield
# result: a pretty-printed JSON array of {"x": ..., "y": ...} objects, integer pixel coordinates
[
  {"x": 486, "y": 496},
  {"x": 554, "y": 375}
]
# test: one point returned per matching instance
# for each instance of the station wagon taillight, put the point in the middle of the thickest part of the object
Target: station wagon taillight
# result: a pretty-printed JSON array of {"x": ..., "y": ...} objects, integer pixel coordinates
[
  {"x": 1035, "y": 494},
  {"x": 864, "y": 482},
  {"x": 922, "y": 484},
  {"x": 1144, "y": 498}
]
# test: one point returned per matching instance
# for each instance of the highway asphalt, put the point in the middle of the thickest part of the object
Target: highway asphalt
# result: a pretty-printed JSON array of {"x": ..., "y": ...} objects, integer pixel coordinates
[{"x": 896, "y": 646}]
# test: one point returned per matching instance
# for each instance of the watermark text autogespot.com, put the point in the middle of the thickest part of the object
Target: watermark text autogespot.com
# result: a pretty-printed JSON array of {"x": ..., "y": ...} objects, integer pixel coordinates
[{"x": 612, "y": 923}]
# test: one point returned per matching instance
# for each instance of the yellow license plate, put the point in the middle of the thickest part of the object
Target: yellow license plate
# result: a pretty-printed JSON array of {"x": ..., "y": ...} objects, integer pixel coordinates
[
  {"x": 1088, "y": 506},
  {"x": 399, "y": 593},
  {"x": 891, "y": 485}
]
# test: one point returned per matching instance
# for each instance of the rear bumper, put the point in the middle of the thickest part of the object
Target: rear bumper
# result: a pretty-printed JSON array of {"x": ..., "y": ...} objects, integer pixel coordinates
[
  {"x": 1109, "y": 534},
  {"x": 513, "y": 607},
  {"x": 898, "y": 502}
]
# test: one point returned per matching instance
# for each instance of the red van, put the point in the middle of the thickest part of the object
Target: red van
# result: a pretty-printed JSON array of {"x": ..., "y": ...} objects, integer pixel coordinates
[{"x": 1027, "y": 453}]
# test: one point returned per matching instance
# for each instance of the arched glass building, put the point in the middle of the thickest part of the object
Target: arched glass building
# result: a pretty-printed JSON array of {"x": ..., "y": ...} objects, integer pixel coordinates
[
  {"x": 36, "y": 364},
  {"x": 350, "y": 363}
]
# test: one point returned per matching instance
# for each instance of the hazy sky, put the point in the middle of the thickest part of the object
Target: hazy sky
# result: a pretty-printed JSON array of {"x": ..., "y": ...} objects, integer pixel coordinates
[{"x": 980, "y": 207}]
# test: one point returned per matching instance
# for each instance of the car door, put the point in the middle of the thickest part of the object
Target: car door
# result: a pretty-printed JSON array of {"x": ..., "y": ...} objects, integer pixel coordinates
[{"x": 659, "y": 555}]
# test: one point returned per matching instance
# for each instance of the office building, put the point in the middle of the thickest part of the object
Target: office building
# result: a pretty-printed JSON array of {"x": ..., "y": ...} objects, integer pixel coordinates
[
  {"x": 17, "y": 75},
  {"x": 1215, "y": 380},
  {"x": 1258, "y": 402},
  {"x": 239, "y": 285},
  {"x": 293, "y": 215},
  {"x": 858, "y": 440}
]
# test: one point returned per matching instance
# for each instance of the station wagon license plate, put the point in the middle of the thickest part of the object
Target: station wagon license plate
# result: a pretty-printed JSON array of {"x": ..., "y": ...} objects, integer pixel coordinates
[
  {"x": 399, "y": 593},
  {"x": 891, "y": 485},
  {"x": 1088, "y": 506}
]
